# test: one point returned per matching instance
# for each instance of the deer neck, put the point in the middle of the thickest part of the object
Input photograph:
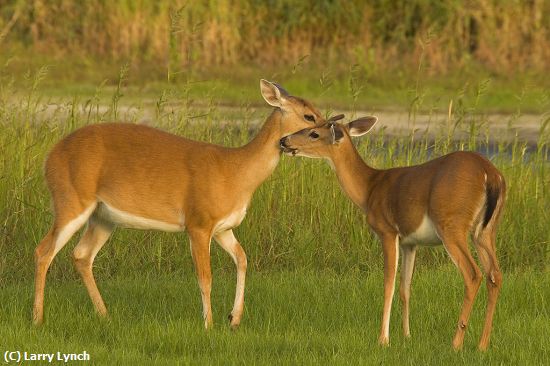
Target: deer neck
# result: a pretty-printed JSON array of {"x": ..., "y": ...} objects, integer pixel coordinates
[
  {"x": 260, "y": 156},
  {"x": 354, "y": 175}
]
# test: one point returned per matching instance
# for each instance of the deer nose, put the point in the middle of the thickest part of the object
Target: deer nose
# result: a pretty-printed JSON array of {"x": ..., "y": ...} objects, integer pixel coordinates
[{"x": 282, "y": 142}]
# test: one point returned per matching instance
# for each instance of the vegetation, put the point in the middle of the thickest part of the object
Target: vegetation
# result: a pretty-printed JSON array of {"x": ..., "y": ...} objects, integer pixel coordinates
[
  {"x": 290, "y": 318},
  {"x": 220, "y": 46},
  {"x": 299, "y": 219},
  {"x": 192, "y": 69},
  {"x": 501, "y": 36}
]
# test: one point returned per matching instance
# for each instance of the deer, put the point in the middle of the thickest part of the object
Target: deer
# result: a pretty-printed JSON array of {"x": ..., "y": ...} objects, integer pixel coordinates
[
  {"x": 112, "y": 175},
  {"x": 442, "y": 201}
]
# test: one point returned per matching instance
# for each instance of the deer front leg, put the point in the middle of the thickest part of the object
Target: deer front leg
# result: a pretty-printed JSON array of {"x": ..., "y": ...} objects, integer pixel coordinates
[
  {"x": 390, "y": 244},
  {"x": 230, "y": 244},
  {"x": 407, "y": 268}
]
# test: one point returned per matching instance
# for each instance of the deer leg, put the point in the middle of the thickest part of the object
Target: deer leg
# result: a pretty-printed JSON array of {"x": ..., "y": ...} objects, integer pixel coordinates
[
  {"x": 390, "y": 245},
  {"x": 43, "y": 256},
  {"x": 407, "y": 269},
  {"x": 230, "y": 244},
  {"x": 84, "y": 254},
  {"x": 200, "y": 251},
  {"x": 485, "y": 246},
  {"x": 460, "y": 255},
  {"x": 60, "y": 233}
]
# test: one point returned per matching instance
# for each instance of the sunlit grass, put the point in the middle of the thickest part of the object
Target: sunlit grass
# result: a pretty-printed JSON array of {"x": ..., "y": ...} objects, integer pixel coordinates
[
  {"x": 290, "y": 318},
  {"x": 299, "y": 218},
  {"x": 315, "y": 269}
]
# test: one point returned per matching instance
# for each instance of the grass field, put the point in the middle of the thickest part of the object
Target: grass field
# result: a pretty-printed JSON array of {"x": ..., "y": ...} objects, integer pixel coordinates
[
  {"x": 290, "y": 318},
  {"x": 315, "y": 271},
  {"x": 314, "y": 285}
]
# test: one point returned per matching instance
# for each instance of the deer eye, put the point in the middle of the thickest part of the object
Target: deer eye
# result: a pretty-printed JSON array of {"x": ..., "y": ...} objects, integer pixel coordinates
[
  {"x": 309, "y": 117},
  {"x": 314, "y": 135}
]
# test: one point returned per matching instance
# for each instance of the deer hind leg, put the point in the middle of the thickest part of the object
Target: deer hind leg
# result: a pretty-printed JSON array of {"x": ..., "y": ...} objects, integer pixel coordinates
[
  {"x": 60, "y": 233},
  {"x": 230, "y": 244},
  {"x": 457, "y": 247},
  {"x": 485, "y": 246},
  {"x": 407, "y": 268},
  {"x": 84, "y": 253},
  {"x": 200, "y": 251}
]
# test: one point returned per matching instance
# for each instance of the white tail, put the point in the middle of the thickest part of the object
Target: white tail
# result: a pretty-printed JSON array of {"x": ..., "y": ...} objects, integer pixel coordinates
[
  {"x": 127, "y": 175},
  {"x": 443, "y": 200}
]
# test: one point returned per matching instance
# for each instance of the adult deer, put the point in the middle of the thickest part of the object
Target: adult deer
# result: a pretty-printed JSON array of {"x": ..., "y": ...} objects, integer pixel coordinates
[
  {"x": 443, "y": 200},
  {"x": 134, "y": 176}
]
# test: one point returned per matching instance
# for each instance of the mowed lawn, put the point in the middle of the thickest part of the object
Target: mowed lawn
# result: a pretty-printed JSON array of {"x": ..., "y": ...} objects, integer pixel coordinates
[{"x": 290, "y": 318}]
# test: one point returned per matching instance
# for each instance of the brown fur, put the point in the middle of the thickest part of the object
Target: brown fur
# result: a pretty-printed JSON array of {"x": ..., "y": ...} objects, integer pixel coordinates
[
  {"x": 158, "y": 178},
  {"x": 451, "y": 191}
]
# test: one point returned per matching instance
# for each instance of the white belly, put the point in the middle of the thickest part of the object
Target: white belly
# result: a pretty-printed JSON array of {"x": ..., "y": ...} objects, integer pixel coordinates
[
  {"x": 128, "y": 220},
  {"x": 232, "y": 220},
  {"x": 425, "y": 234}
]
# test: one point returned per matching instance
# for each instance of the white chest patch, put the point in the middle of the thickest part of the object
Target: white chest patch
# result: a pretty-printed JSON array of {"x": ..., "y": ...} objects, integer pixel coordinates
[
  {"x": 232, "y": 220},
  {"x": 425, "y": 234},
  {"x": 128, "y": 220}
]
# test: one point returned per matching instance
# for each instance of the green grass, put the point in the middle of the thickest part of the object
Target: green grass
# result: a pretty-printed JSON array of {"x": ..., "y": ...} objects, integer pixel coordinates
[
  {"x": 345, "y": 88},
  {"x": 291, "y": 211},
  {"x": 315, "y": 270},
  {"x": 290, "y": 318}
]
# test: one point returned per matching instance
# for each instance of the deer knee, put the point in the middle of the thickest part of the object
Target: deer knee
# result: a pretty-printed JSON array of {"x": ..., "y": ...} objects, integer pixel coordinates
[
  {"x": 477, "y": 277},
  {"x": 242, "y": 261},
  {"x": 81, "y": 259},
  {"x": 39, "y": 255},
  {"x": 44, "y": 250},
  {"x": 472, "y": 283}
]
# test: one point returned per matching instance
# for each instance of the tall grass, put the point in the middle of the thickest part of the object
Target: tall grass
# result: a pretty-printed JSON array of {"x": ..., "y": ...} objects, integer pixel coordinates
[
  {"x": 503, "y": 36},
  {"x": 299, "y": 218}
]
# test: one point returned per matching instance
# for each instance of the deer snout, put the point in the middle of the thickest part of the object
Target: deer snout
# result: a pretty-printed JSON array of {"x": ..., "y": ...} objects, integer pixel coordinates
[{"x": 285, "y": 146}]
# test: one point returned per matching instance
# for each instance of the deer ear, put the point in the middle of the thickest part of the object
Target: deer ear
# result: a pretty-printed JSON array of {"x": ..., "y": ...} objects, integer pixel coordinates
[
  {"x": 335, "y": 133},
  {"x": 273, "y": 94},
  {"x": 361, "y": 126}
]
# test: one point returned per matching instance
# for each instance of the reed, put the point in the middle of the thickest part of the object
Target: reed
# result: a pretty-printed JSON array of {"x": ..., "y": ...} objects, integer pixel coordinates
[
  {"x": 503, "y": 36},
  {"x": 298, "y": 219}
]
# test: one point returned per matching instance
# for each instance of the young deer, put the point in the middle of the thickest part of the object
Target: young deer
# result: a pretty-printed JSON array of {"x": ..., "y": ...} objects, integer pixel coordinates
[
  {"x": 442, "y": 200},
  {"x": 134, "y": 176}
]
